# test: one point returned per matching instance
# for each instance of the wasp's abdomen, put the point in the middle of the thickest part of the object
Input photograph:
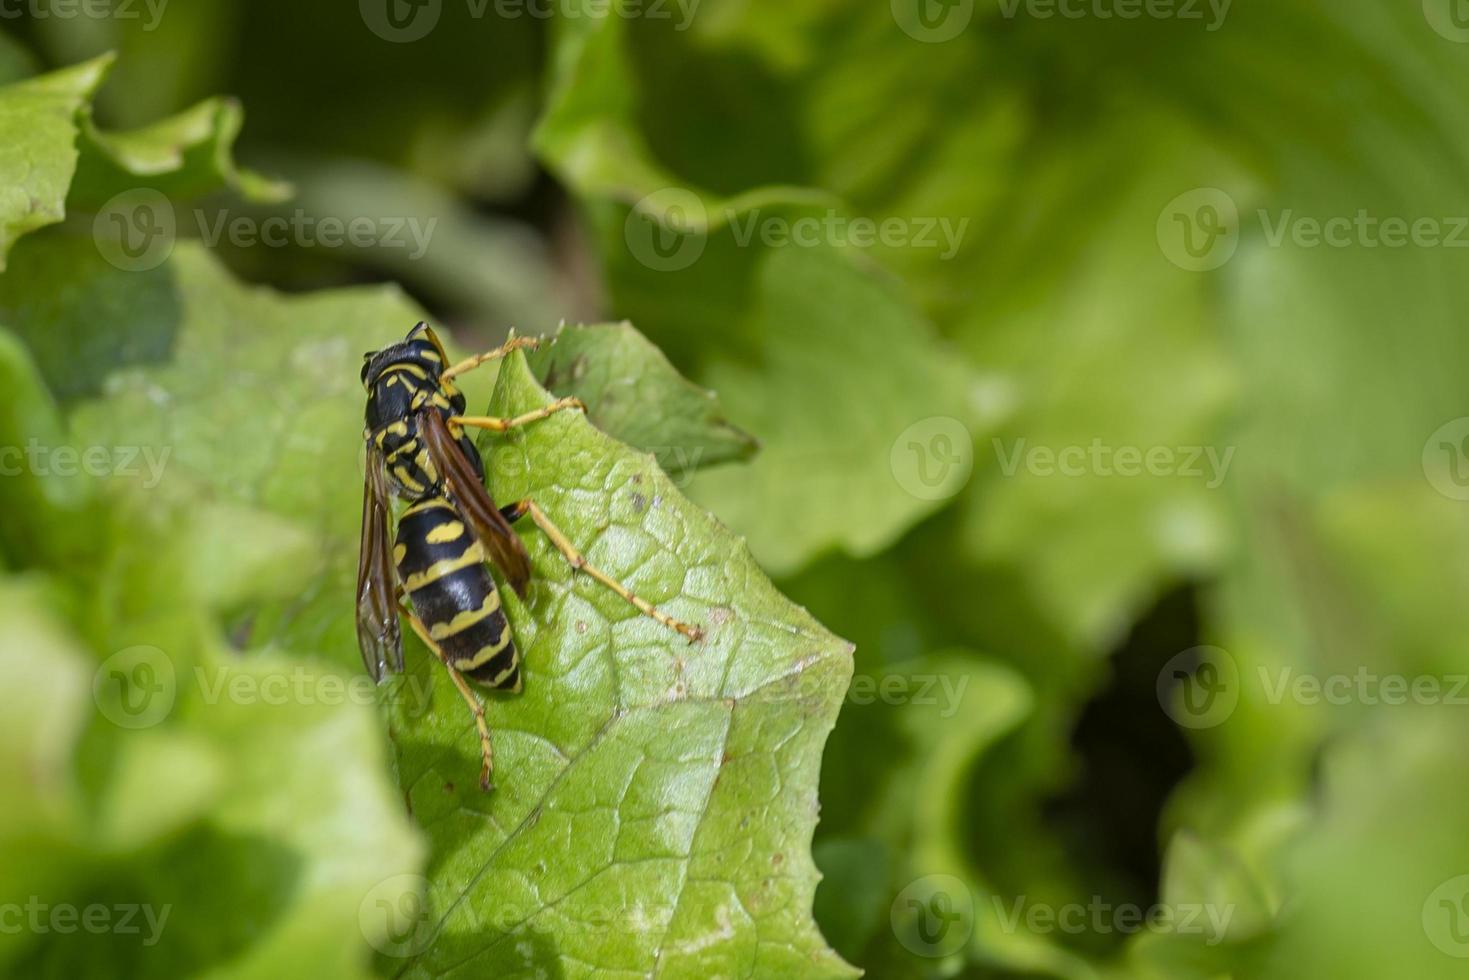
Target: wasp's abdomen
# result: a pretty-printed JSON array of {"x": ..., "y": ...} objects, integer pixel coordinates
[{"x": 442, "y": 566}]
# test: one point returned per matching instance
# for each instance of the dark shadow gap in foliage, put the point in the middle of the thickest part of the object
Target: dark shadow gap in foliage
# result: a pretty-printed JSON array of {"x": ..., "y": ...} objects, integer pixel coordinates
[{"x": 1130, "y": 758}]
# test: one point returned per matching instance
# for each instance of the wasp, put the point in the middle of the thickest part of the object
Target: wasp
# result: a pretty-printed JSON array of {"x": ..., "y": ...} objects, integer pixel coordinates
[{"x": 436, "y": 572}]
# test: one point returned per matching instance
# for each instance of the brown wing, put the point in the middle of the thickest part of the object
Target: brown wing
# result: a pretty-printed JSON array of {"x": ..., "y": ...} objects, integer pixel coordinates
[
  {"x": 379, "y": 634},
  {"x": 505, "y": 548}
]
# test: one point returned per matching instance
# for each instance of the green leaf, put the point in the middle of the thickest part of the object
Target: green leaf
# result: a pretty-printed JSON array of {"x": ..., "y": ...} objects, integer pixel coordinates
[
  {"x": 1107, "y": 350},
  {"x": 1351, "y": 525},
  {"x": 1360, "y": 910},
  {"x": 150, "y": 768},
  {"x": 38, "y": 129},
  {"x": 180, "y": 790},
  {"x": 60, "y": 288},
  {"x": 293, "y": 373},
  {"x": 180, "y": 157},
  {"x": 29, "y": 425},
  {"x": 634, "y": 394},
  {"x": 656, "y": 799},
  {"x": 939, "y": 715},
  {"x": 166, "y": 55},
  {"x": 837, "y": 470},
  {"x": 51, "y": 154},
  {"x": 590, "y": 133},
  {"x": 45, "y": 703},
  {"x": 206, "y": 813},
  {"x": 276, "y": 426},
  {"x": 1213, "y": 878},
  {"x": 820, "y": 354}
]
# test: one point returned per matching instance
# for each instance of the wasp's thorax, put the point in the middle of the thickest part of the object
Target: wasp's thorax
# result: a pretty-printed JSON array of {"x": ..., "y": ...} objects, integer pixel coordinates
[
  {"x": 401, "y": 381},
  {"x": 419, "y": 349}
]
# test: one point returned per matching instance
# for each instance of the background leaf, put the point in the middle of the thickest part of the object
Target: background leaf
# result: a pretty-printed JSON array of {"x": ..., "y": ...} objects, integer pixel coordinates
[
  {"x": 37, "y": 133},
  {"x": 634, "y": 394}
]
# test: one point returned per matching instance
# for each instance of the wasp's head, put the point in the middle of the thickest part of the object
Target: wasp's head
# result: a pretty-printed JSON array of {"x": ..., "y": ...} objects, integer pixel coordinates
[{"x": 420, "y": 347}]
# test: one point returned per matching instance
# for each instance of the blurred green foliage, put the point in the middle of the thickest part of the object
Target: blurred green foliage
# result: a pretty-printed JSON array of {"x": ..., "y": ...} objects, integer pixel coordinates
[{"x": 633, "y": 166}]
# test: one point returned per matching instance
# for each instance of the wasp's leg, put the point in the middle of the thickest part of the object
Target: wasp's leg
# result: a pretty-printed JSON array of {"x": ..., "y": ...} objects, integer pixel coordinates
[
  {"x": 501, "y": 425},
  {"x": 578, "y": 561},
  {"x": 470, "y": 363},
  {"x": 486, "y": 749}
]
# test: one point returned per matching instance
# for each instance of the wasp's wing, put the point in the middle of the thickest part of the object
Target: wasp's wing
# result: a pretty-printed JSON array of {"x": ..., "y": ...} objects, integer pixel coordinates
[
  {"x": 378, "y": 632},
  {"x": 505, "y": 548}
]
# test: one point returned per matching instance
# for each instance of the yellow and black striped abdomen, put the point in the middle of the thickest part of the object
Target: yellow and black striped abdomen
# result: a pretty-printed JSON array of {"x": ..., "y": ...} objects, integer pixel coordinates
[{"x": 442, "y": 566}]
